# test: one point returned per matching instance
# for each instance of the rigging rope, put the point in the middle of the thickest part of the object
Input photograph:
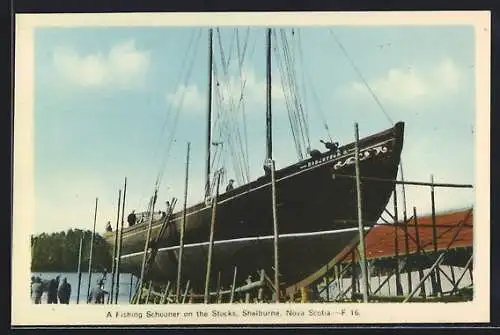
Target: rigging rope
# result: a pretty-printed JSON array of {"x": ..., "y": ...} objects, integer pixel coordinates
[
  {"x": 176, "y": 116},
  {"x": 241, "y": 59},
  {"x": 158, "y": 145},
  {"x": 361, "y": 76},
  {"x": 228, "y": 113},
  {"x": 293, "y": 102},
  {"x": 224, "y": 130},
  {"x": 376, "y": 100}
]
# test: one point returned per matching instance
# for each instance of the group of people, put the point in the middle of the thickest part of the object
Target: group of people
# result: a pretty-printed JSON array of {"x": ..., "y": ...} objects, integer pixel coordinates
[
  {"x": 132, "y": 218},
  {"x": 60, "y": 292},
  {"x": 57, "y": 292}
]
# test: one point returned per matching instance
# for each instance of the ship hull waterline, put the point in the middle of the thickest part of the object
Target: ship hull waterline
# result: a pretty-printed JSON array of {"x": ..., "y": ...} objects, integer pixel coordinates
[{"x": 310, "y": 200}]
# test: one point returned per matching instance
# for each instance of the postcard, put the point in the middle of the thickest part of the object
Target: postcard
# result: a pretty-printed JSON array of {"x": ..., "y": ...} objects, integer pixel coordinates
[{"x": 251, "y": 168}]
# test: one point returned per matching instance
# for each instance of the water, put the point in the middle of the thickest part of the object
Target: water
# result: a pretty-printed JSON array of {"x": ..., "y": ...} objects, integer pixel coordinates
[{"x": 72, "y": 278}]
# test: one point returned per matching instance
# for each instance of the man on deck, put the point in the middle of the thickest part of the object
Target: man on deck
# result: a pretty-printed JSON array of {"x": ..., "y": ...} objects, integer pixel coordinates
[
  {"x": 131, "y": 219},
  {"x": 230, "y": 186}
]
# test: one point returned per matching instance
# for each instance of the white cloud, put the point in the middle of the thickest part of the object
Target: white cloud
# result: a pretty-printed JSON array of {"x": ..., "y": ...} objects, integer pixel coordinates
[
  {"x": 407, "y": 85},
  {"x": 189, "y": 97},
  {"x": 255, "y": 89},
  {"x": 124, "y": 65}
]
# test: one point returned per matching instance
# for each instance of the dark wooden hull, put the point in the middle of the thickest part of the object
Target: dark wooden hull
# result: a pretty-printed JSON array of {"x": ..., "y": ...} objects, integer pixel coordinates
[{"x": 309, "y": 200}]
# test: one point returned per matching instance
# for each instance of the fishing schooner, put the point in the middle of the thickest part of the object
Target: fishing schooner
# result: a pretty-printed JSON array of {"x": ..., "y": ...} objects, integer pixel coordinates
[{"x": 316, "y": 209}]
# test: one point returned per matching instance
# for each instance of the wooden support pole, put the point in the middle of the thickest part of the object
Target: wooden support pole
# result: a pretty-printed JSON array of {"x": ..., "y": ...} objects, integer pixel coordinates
[
  {"x": 91, "y": 253},
  {"x": 353, "y": 276},
  {"x": 466, "y": 267},
  {"x": 260, "y": 294},
  {"x": 276, "y": 232},
  {"x": 79, "y": 270},
  {"x": 209, "y": 114},
  {"x": 327, "y": 284},
  {"x": 120, "y": 244},
  {"x": 401, "y": 182},
  {"x": 342, "y": 294},
  {"x": 450, "y": 280},
  {"x": 165, "y": 294},
  {"x": 437, "y": 276},
  {"x": 115, "y": 250},
  {"x": 399, "y": 287},
  {"x": 130, "y": 287},
  {"x": 146, "y": 245},
  {"x": 470, "y": 274},
  {"x": 218, "y": 296},
  {"x": 407, "y": 253},
  {"x": 412, "y": 293},
  {"x": 112, "y": 273},
  {"x": 247, "y": 294},
  {"x": 233, "y": 286},
  {"x": 183, "y": 227},
  {"x": 341, "y": 275},
  {"x": 385, "y": 281},
  {"x": 185, "y": 292},
  {"x": 361, "y": 246},
  {"x": 211, "y": 243},
  {"x": 452, "y": 275},
  {"x": 417, "y": 237},
  {"x": 149, "y": 291},
  {"x": 339, "y": 278},
  {"x": 379, "y": 281}
]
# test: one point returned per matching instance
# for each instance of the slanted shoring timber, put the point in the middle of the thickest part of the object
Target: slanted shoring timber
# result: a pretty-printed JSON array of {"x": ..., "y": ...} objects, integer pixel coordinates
[
  {"x": 276, "y": 232},
  {"x": 399, "y": 287},
  {"x": 422, "y": 281},
  {"x": 361, "y": 243},
  {"x": 146, "y": 246},
  {"x": 79, "y": 270},
  {"x": 183, "y": 226},
  {"x": 437, "y": 278},
  {"x": 120, "y": 244},
  {"x": 417, "y": 238},
  {"x": 91, "y": 252},
  {"x": 233, "y": 286},
  {"x": 466, "y": 268},
  {"x": 115, "y": 251},
  {"x": 211, "y": 240}
]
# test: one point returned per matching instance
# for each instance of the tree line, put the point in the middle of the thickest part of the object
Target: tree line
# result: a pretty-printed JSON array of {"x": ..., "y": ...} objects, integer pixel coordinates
[{"x": 58, "y": 252}]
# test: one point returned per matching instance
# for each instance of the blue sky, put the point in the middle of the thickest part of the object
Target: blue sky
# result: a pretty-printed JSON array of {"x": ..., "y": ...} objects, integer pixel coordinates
[{"x": 106, "y": 101}]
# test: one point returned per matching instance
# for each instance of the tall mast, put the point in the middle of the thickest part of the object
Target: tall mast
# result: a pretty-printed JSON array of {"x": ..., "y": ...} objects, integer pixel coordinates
[
  {"x": 209, "y": 113},
  {"x": 269, "y": 139}
]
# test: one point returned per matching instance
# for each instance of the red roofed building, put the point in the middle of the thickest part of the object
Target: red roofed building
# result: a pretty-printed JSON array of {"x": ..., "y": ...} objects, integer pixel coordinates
[
  {"x": 385, "y": 244},
  {"x": 453, "y": 230}
]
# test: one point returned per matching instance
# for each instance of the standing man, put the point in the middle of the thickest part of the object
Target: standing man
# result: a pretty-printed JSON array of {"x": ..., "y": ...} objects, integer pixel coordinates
[
  {"x": 230, "y": 186},
  {"x": 97, "y": 293},
  {"x": 131, "y": 219},
  {"x": 37, "y": 290},
  {"x": 64, "y": 292},
  {"x": 52, "y": 291}
]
